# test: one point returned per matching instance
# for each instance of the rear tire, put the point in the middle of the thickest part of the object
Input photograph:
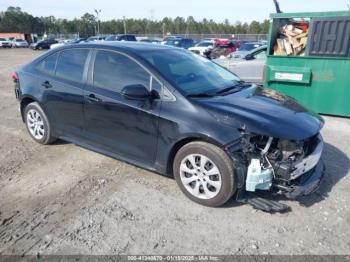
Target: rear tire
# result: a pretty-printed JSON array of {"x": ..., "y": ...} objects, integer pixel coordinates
[
  {"x": 37, "y": 124},
  {"x": 204, "y": 173}
]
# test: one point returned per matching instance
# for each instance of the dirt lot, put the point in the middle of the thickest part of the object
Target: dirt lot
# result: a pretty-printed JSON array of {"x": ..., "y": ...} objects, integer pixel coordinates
[{"x": 62, "y": 199}]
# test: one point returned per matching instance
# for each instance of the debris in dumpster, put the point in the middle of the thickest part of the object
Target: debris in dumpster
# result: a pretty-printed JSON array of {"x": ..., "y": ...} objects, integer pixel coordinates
[{"x": 292, "y": 39}]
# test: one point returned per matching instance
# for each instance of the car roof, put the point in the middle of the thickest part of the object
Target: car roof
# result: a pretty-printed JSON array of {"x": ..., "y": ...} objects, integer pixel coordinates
[{"x": 132, "y": 47}]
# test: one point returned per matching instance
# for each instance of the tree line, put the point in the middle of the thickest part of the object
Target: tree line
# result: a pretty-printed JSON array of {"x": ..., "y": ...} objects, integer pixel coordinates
[{"x": 16, "y": 20}]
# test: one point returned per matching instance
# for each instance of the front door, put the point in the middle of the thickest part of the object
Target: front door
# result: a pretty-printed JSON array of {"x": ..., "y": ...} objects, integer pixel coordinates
[{"x": 128, "y": 128}]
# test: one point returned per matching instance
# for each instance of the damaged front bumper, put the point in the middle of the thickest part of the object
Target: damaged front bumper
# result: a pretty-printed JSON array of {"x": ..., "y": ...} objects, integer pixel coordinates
[
  {"x": 307, "y": 184},
  {"x": 306, "y": 175}
]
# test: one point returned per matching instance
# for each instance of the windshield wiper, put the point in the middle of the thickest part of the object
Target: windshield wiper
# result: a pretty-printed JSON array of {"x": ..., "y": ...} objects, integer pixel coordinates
[
  {"x": 236, "y": 87},
  {"x": 200, "y": 95}
]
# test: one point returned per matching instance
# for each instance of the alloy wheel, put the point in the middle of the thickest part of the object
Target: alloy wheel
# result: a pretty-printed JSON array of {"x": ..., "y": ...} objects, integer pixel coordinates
[
  {"x": 200, "y": 176},
  {"x": 35, "y": 124}
]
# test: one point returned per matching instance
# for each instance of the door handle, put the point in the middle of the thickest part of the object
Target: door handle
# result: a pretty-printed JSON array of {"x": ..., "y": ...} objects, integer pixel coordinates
[
  {"x": 46, "y": 84},
  {"x": 93, "y": 98}
]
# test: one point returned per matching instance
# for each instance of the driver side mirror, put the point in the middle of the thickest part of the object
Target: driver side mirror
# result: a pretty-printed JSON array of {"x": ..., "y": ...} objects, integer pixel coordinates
[{"x": 136, "y": 92}]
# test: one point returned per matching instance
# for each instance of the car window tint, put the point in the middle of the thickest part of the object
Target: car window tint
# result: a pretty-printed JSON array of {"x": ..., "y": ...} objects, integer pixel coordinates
[
  {"x": 71, "y": 64},
  {"x": 48, "y": 64},
  {"x": 114, "y": 71}
]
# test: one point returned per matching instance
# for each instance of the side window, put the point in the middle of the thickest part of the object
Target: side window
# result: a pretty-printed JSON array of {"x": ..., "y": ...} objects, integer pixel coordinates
[
  {"x": 48, "y": 64},
  {"x": 114, "y": 71},
  {"x": 71, "y": 64},
  {"x": 261, "y": 55},
  {"x": 156, "y": 86}
]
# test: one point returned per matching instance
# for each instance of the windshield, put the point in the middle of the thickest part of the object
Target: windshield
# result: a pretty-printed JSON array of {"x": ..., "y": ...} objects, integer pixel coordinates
[
  {"x": 111, "y": 38},
  {"x": 204, "y": 44},
  {"x": 2, "y": 39},
  {"x": 19, "y": 40},
  {"x": 173, "y": 42},
  {"x": 191, "y": 73},
  {"x": 248, "y": 47}
]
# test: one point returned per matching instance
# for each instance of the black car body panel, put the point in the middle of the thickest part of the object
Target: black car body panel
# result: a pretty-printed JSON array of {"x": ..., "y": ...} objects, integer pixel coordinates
[
  {"x": 265, "y": 112},
  {"x": 148, "y": 133}
]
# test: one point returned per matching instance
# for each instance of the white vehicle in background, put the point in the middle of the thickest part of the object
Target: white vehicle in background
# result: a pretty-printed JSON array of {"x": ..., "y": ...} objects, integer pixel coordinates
[
  {"x": 5, "y": 43},
  {"x": 19, "y": 43},
  {"x": 61, "y": 43},
  {"x": 202, "y": 47},
  {"x": 250, "y": 67},
  {"x": 67, "y": 41}
]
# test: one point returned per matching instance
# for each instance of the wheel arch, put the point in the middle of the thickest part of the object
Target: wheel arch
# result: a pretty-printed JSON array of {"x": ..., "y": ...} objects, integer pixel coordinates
[
  {"x": 26, "y": 100},
  {"x": 182, "y": 142}
]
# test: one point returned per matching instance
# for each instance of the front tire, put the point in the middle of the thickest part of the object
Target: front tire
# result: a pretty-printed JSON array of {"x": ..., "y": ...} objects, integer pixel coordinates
[
  {"x": 204, "y": 173},
  {"x": 37, "y": 124}
]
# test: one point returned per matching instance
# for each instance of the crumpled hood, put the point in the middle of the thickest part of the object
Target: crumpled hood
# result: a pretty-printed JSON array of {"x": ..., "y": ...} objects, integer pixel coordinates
[{"x": 266, "y": 112}]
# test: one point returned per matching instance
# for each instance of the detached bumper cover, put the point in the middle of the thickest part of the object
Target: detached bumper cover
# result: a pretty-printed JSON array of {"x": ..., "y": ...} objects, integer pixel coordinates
[{"x": 309, "y": 184}]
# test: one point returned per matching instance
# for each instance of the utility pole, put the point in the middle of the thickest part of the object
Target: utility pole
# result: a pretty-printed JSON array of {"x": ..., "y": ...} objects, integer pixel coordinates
[
  {"x": 98, "y": 20},
  {"x": 163, "y": 27},
  {"x": 124, "y": 22}
]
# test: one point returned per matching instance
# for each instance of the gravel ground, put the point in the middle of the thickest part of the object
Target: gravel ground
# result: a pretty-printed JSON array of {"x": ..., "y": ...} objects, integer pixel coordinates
[{"x": 63, "y": 199}]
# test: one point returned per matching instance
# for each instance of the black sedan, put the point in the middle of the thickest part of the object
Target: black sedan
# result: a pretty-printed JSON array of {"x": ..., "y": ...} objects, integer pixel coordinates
[
  {"x": 173, "y": 112},
  {"x": 43, "y": 44}
]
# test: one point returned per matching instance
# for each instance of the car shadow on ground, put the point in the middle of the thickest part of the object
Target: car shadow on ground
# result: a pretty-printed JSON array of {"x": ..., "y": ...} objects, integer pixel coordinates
[
  {"x": 59, "y": 142},
  {"x": 337, "y": 166}
]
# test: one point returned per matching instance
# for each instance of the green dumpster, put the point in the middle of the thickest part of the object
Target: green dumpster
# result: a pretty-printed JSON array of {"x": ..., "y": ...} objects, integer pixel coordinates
[{"x": 309, "y": 59}]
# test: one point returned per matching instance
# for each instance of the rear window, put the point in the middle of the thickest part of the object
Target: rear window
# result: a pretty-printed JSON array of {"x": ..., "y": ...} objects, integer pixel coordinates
[
  {"x": 2, "y": 39},
  {"x": 48, "y": 65},
  {"x": 71, "y": 64},
  {"x": 131, "y": 38}
]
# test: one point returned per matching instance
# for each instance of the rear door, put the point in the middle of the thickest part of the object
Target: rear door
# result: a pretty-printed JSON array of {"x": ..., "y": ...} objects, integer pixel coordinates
[
  {"x": 128, "y": 128},
  {"x": 63, "y": 85}
]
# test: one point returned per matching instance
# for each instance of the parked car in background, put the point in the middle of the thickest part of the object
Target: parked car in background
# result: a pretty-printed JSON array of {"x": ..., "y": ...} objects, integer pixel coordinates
[
  {"x": 148, "y": 40},
  {"x": 4, "y": 43},
  {"x": 166, "y": 38},
  {"x": 70, "y": 41},
  {"x": 43, "y": 44},
  {"x": 175, "y": 113},
  {"x": 222, "y": 47},
  {"x": 245, "y": 48},
  {"x": 249, "y": 68},
  {"x": 180, "y": 42},
  {"x": 96, "y": 38},
  {"x": 19, "y": 43},
  {"x": 120, "y": 38},
  {"x": 202, "y": 47}
]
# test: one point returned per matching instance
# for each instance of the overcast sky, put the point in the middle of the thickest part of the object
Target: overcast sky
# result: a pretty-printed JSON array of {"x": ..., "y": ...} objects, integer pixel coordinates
[{"x": 234, "y": 10}]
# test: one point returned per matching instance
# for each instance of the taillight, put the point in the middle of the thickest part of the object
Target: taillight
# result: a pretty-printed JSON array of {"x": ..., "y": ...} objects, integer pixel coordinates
[{"x": 15, "y": 77}]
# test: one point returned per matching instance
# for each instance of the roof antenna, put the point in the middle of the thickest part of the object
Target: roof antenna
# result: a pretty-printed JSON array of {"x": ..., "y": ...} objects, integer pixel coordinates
[{"x": 277, "y": 5}]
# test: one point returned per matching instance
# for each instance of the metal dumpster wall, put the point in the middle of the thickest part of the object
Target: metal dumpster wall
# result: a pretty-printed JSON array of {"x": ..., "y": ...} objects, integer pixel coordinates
[
  {"x": 321, "y": 83},
  {"x": 326, "y": 91}
]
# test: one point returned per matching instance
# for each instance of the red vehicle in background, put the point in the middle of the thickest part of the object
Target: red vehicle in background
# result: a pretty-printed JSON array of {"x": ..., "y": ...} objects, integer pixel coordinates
[{"x": 222, "y": 47}]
